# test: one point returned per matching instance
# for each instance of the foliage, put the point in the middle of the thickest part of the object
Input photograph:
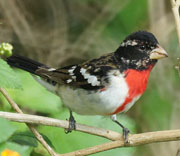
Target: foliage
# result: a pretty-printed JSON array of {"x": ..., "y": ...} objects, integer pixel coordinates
[
  {"x": 9, "y": 78},
  {"x": 7, "y": 130}
]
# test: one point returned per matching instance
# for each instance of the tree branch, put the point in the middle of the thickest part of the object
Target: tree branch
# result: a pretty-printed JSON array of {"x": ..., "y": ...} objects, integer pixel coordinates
[
  {"x": 34, "y": 119},
  {"x": 31, "y": 127},
  {"x": 134, "y": 139}
]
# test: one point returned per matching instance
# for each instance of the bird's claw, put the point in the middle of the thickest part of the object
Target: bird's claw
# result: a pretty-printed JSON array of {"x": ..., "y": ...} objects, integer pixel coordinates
[
  {"x": 72, "y": 125},
  {"x": 125, "y": 135}
]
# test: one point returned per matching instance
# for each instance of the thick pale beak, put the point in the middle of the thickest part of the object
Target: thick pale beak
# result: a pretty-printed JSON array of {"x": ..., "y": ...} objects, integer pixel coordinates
[{"x": 158, "y": 53}]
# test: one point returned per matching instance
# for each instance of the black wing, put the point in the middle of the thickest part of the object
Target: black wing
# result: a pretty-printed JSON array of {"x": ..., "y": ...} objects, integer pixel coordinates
[{"x": 91, "y": 75}]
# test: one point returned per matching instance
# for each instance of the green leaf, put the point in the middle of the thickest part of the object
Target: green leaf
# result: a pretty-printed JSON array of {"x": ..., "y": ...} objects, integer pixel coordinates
[
  {"x": 24, "y": 138},
  {"x": 6, "y": 129},
  {"x": 28, "y": 138},
  {"x": 8, "y": 78}
]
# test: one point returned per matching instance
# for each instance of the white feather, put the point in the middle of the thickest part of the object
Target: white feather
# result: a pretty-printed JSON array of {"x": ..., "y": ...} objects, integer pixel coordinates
[
  {"x": 69, "y": 80},
  {"x": 96, "y": 103},
  {"x": 71, "y": 70},
  {"x": 90, "y": 78},
  {"x": 51, "y": 69}
]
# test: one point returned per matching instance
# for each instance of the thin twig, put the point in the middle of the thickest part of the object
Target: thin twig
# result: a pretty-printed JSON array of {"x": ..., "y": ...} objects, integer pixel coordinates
[
  {"x": 34, "y": 119},
  {"x": 134, "y": 139},
  {"x": 31, "y": 127},
  {"x": 175, "y": 9}
]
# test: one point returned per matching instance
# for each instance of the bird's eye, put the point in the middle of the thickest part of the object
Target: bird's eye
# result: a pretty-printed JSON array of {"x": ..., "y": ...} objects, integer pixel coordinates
[{"x": 142, "y": 47}]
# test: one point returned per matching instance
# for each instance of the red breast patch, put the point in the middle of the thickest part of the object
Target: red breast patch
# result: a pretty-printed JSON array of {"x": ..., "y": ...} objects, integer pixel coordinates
[{"x": 137, "y": 82}]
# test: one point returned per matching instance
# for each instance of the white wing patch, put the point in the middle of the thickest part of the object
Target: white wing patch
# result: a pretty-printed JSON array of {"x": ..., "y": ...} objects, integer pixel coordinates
[
  {"x": 70, "y": 71},
  {"x": 51, "y": 69},
  {"x": 90, "y": 78},
  {"x": 69, "y": 80}
]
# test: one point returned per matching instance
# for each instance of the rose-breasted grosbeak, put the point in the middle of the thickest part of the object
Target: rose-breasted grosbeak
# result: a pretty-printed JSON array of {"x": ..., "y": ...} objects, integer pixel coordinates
[{"x": 107, "y": 85}]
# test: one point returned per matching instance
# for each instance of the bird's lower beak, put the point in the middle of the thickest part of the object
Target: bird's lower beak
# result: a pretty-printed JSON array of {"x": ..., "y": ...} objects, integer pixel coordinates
[{"x": 158, "y": 53}]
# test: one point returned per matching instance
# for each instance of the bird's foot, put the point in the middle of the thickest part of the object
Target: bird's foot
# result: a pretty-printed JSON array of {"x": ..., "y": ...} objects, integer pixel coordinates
[
  {"x": 72, "y": 124},
  {"x": 125, "y": 135}
]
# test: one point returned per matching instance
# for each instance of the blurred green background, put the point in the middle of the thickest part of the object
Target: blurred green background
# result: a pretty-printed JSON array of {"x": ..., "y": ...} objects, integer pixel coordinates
[{"x": 64, "y": 32}]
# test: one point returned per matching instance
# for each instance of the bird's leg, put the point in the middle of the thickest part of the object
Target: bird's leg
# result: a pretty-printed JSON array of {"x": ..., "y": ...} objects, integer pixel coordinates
[
  {"x": 125, "y": 130},
  {"x": 72, "y": 123}
]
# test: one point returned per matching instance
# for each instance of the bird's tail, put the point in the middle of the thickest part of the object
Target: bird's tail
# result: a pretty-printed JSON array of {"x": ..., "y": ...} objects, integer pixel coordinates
[
  {"x": 33, "y": 67},
  {"x": 25, "y": 63}
]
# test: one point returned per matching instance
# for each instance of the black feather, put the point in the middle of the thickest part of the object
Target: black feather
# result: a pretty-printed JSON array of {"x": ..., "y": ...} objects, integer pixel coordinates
[
  {"x": 24, "y": 63},
  {"x": 143, "y": 36}
]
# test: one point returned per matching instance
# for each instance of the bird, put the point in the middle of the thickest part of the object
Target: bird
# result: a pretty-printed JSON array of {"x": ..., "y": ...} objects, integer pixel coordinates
[{"x": 105, "y": 86}]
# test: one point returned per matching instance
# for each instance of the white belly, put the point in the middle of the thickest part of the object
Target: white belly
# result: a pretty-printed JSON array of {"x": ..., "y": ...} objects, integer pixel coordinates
[{"x": 95, "y": 103}]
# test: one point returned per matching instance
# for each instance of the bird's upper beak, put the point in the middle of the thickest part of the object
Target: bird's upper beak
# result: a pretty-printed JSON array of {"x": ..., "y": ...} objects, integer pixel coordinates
[{"x": 158, "y": 53}]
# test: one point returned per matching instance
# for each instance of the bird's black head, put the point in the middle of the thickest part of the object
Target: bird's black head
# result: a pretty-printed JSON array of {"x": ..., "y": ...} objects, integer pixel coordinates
[{"x": 139, "y": 50}]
